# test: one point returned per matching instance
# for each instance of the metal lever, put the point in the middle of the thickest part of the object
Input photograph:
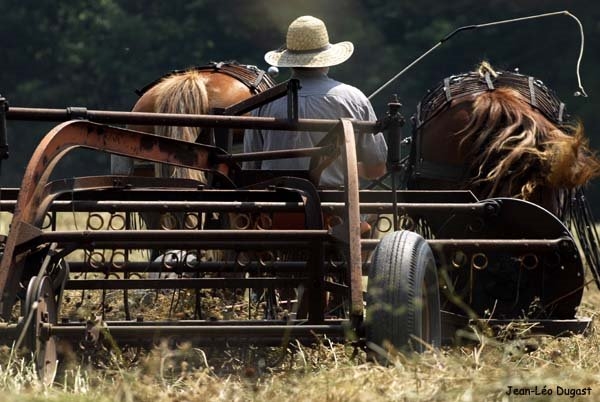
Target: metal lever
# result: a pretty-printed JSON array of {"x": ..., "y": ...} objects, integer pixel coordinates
[
  {"x": 3, "y": 135},
  {"x": 292, "y": 98},
  {"x": 394, "y": 121}
]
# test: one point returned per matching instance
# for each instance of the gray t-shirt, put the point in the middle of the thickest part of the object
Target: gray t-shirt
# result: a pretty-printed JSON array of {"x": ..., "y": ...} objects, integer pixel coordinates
[{"x": 319, "y": 97}]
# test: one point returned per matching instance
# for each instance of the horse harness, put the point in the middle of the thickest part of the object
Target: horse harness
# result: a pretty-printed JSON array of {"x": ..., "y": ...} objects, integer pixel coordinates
[
  {"x": 253, "y": 77},
  {"x": 532, "y": 90}
]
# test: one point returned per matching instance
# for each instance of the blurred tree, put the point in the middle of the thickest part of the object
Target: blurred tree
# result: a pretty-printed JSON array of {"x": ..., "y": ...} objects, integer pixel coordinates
[{"x": 94, "y": 53}]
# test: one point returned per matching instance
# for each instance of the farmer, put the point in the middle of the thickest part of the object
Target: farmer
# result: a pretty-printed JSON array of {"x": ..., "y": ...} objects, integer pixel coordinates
[{"x": 309, "y": 54}]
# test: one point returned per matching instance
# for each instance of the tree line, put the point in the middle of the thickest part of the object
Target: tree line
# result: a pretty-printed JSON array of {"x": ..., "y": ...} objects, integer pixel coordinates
[{"x": 95, "y": 53}]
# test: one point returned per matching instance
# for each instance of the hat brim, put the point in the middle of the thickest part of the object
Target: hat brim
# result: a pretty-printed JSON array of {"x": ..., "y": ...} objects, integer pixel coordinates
[{"x": 335, "y": 54}]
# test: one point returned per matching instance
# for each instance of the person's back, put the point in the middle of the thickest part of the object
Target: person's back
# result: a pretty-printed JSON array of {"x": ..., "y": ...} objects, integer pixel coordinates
[{"x": 319, "y": 97}]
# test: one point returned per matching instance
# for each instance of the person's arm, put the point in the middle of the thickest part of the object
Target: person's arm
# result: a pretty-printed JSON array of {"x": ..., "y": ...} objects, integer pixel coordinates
[{"x": 371, "y": 149}]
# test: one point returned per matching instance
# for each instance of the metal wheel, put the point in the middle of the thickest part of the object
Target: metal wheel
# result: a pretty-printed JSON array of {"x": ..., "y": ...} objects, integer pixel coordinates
[
  {"x": 40, "y": 303},
  {"x": 403, "y": 303}
]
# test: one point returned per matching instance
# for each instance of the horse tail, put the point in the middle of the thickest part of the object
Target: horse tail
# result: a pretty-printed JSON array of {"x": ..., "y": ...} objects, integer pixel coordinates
[
  {"x": 513, "y": 145},
  {"x": 184, "y": 93}
]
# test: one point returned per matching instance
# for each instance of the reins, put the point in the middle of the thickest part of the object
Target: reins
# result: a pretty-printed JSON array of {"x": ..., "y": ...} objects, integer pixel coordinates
[{"x": 580, "y": 91}]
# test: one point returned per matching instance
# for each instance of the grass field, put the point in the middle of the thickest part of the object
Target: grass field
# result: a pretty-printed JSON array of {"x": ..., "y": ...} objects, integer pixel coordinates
[
  {"x": 483, "y": 372},
  {"x": 519, "y": 368}
]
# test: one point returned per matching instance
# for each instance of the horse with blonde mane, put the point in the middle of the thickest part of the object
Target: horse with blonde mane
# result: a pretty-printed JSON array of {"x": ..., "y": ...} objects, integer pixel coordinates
[{"x": 196, "y": 90}]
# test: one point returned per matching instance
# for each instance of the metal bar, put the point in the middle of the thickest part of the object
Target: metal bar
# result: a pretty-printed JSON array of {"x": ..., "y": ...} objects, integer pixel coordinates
[
  {"x": 417, "y": 208},
  {"x": 186, "y": 120},
  {"x": 138, "y": 332},
  {"x": 141, "y": 206},
  {"x": 184, "y": 283},
  {"x": 292, "y": 100},
  {"x": 240, "y": 328},
  {"x": 105, "y": 188},
  {"x": 266, "y": 96},
  {"x": 177, "y": 245},
  {"x": 508, "y": 245},
  {"x": 268, "y": 155},
  {"x": 242, "y": 206},
  {"x": 272, "y": 236},
  {"x": 3, "y": 135},
  {"x": 188, "y": 189},
  {"x": 181, "y": 266},
  {"x": 205, "y": 323},
  {"x": 407, "y": 196},
  {"x": 177, "y": 239}
]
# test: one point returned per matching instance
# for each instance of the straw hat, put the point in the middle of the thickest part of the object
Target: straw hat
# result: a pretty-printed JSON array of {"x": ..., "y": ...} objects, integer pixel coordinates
[{"x": 307, "y": 45}]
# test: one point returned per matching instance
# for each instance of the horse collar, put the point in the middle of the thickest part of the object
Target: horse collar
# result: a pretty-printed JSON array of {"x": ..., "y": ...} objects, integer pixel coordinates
[
  {"x": 531, "y": 89},
  {"x": 251, "y": 76}
]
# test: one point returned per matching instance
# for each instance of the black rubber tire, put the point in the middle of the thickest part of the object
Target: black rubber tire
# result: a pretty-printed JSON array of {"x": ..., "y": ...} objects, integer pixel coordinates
[{"x": 403, "y": 302}]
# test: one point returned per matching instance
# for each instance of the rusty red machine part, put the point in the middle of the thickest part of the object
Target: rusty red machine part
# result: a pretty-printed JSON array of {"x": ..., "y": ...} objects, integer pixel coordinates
[{"x": 446, "y": 255}]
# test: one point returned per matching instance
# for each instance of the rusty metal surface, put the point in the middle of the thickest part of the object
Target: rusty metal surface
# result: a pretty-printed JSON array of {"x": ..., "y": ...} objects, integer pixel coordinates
[
  {"x": 139, "y": 188},
  {"x": 498, "y": 245},
  {"x": 351, "y": 224},
  {"x": 185, "y": 283},
  {"x": 57, "y": 143},
  {"x": 182, "y": 238},
  {"x": 542, "y": 282},
  {"x": 171, "y": 119},
  {"x": 268, "y": 95},
  {"x": 181, "y": 267}
]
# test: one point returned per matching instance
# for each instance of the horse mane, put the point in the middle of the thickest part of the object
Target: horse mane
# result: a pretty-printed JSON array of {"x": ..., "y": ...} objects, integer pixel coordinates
[
  {"x": 180, "y": 93},
  {"x": 511, "y": 145}
]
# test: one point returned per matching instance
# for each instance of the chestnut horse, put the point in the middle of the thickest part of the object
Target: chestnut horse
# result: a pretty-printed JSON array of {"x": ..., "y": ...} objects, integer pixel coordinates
[
  {"x": 499, "y": 134},
  {"x": 197, "y": 90},
  {"x": 504, "y": 134}
]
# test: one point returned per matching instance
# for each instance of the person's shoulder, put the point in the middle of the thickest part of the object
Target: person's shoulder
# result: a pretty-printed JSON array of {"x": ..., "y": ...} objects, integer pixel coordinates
[{"x": 350, "y": 92}]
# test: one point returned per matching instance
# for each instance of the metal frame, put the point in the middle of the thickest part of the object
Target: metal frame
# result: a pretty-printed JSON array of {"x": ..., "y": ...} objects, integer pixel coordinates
[{"x": 456, "y": 221}]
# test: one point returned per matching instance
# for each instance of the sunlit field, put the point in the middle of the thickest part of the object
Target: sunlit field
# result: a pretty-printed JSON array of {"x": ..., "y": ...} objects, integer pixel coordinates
[{"x": 510, "y": 366}]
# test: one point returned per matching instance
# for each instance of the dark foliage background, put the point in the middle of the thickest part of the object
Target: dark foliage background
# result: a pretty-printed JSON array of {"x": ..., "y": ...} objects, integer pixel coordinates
[{"x": 94, "y": 53}]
